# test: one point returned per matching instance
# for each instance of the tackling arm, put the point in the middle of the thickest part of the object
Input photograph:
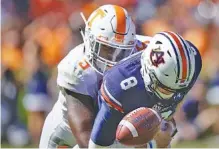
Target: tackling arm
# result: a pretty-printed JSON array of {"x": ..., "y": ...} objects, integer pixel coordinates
[{"x": 81, "y": 114}]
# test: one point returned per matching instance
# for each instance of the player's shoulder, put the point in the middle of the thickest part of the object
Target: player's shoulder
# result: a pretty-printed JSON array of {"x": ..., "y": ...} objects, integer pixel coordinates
[
  {"x": 142, "y": 42},
  {"x": 76, "y": 74},
  {"x": 70, "y": 64},
  {"x": 144, "y": 39},
  {"x": 73, "y": 55}
]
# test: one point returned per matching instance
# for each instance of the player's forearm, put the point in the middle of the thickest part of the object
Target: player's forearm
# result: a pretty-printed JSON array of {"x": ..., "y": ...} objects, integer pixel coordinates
[{"x": 80, "y": 113}]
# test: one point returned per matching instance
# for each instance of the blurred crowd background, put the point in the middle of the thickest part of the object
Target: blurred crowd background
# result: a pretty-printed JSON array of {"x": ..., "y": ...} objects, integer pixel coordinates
[{"x": 37, "y": 34}]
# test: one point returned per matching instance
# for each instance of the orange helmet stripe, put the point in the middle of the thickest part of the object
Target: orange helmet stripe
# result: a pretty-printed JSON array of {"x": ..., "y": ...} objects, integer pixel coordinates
[
  {"x": 183, "y": 56},
  {"x": 121, "y": 23}
]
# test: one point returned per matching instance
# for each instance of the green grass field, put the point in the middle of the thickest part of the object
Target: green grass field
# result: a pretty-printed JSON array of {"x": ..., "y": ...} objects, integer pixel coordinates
[
  {"x": 208, "y": 142},
  {"x": 203, "y": 143}
]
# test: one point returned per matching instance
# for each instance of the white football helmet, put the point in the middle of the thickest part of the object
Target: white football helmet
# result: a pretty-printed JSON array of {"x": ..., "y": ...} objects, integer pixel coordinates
[
  {"x": 109, "y": 36},
  {"x": 168, "y": 65}
]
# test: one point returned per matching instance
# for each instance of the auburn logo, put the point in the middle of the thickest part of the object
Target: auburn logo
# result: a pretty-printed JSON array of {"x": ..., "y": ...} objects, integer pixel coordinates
[{"x": 156, "y": 57}]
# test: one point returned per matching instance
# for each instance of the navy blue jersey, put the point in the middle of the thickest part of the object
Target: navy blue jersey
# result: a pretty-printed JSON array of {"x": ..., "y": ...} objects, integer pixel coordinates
[
  {"x": 122, "y": 91},
  {"x": 123, "y": 87}
]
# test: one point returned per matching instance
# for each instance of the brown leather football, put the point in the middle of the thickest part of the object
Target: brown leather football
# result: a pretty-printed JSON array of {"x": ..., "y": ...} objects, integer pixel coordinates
[{"x": 138, "y": 127}]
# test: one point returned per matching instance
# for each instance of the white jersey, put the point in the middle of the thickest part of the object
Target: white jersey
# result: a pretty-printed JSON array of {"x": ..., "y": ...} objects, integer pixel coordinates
[{"x": 74, "y": 74}]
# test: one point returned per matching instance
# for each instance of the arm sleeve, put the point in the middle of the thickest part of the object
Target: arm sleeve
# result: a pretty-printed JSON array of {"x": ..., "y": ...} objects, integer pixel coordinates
[
  {"x": 109, "y": 95},
  {"x": 105, "y": 125},
  {"x": 69, "y": 76},
  {"x": 73, "y": 73}
]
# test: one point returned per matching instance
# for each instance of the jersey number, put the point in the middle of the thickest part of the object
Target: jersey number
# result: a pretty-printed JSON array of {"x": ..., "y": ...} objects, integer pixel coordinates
[
  {"x": 128, "y": 83},
  {"x": 84, "y": 64}
]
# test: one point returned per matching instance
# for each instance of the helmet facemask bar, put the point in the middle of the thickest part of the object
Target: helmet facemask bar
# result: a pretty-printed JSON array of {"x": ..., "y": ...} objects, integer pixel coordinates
[
  {"x": 153, "y": 85},
  {"x": 104, "y": 55},
  {"x": 159, "y": 89}
]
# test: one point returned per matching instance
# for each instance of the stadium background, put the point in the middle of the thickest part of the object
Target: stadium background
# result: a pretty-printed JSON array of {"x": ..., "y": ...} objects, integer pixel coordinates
[{"x": 37, "y": 34}]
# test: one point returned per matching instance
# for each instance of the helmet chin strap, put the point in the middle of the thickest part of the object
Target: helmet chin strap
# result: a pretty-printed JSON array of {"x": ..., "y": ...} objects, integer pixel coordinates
[
  {"x": 148, "y": 85},
  {"x": 162, "y": 95}
]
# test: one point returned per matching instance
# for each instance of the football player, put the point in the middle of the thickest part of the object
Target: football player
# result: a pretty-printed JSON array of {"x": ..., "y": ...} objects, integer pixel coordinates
[
  {"x": 158, "y": 77},
  {"x": 109, "y": 37}
]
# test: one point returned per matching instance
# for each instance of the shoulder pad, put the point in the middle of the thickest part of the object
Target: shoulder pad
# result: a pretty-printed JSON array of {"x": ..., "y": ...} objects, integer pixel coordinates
[
  {"x": 142, "y": 42},
  {"x": 145, "y": 39},
  {"x": 73, "y": 71}
]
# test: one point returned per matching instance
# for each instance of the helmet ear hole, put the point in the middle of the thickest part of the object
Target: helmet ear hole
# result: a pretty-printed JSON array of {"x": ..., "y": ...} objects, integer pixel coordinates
[
  {"x": 158, "y": 42},
  {"x": 166, "y": 75}
]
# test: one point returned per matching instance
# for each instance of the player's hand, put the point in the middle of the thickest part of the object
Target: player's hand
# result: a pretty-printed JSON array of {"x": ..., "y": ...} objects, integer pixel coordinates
[{"x": 164, "y": 135}]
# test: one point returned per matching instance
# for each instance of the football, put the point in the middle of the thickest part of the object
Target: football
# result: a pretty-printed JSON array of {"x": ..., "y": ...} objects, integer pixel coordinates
[{"x": 138, "y": 127}]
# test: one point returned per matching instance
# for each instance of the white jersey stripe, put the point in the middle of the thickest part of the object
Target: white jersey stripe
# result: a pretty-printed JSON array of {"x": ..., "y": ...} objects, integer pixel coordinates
[{"x": 111, "y": 97}]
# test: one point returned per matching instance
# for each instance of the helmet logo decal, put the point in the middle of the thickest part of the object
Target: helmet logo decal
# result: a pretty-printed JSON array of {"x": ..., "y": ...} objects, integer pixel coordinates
[
  {"x": 156, "y": 57},
  {"x": 99, "y": 13}
]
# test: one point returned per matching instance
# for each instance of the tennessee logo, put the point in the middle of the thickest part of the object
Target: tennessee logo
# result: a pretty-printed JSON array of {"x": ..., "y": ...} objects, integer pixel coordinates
[
  {"x": 156, "y": 57},
  {"x": 119, "y": 39}
]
